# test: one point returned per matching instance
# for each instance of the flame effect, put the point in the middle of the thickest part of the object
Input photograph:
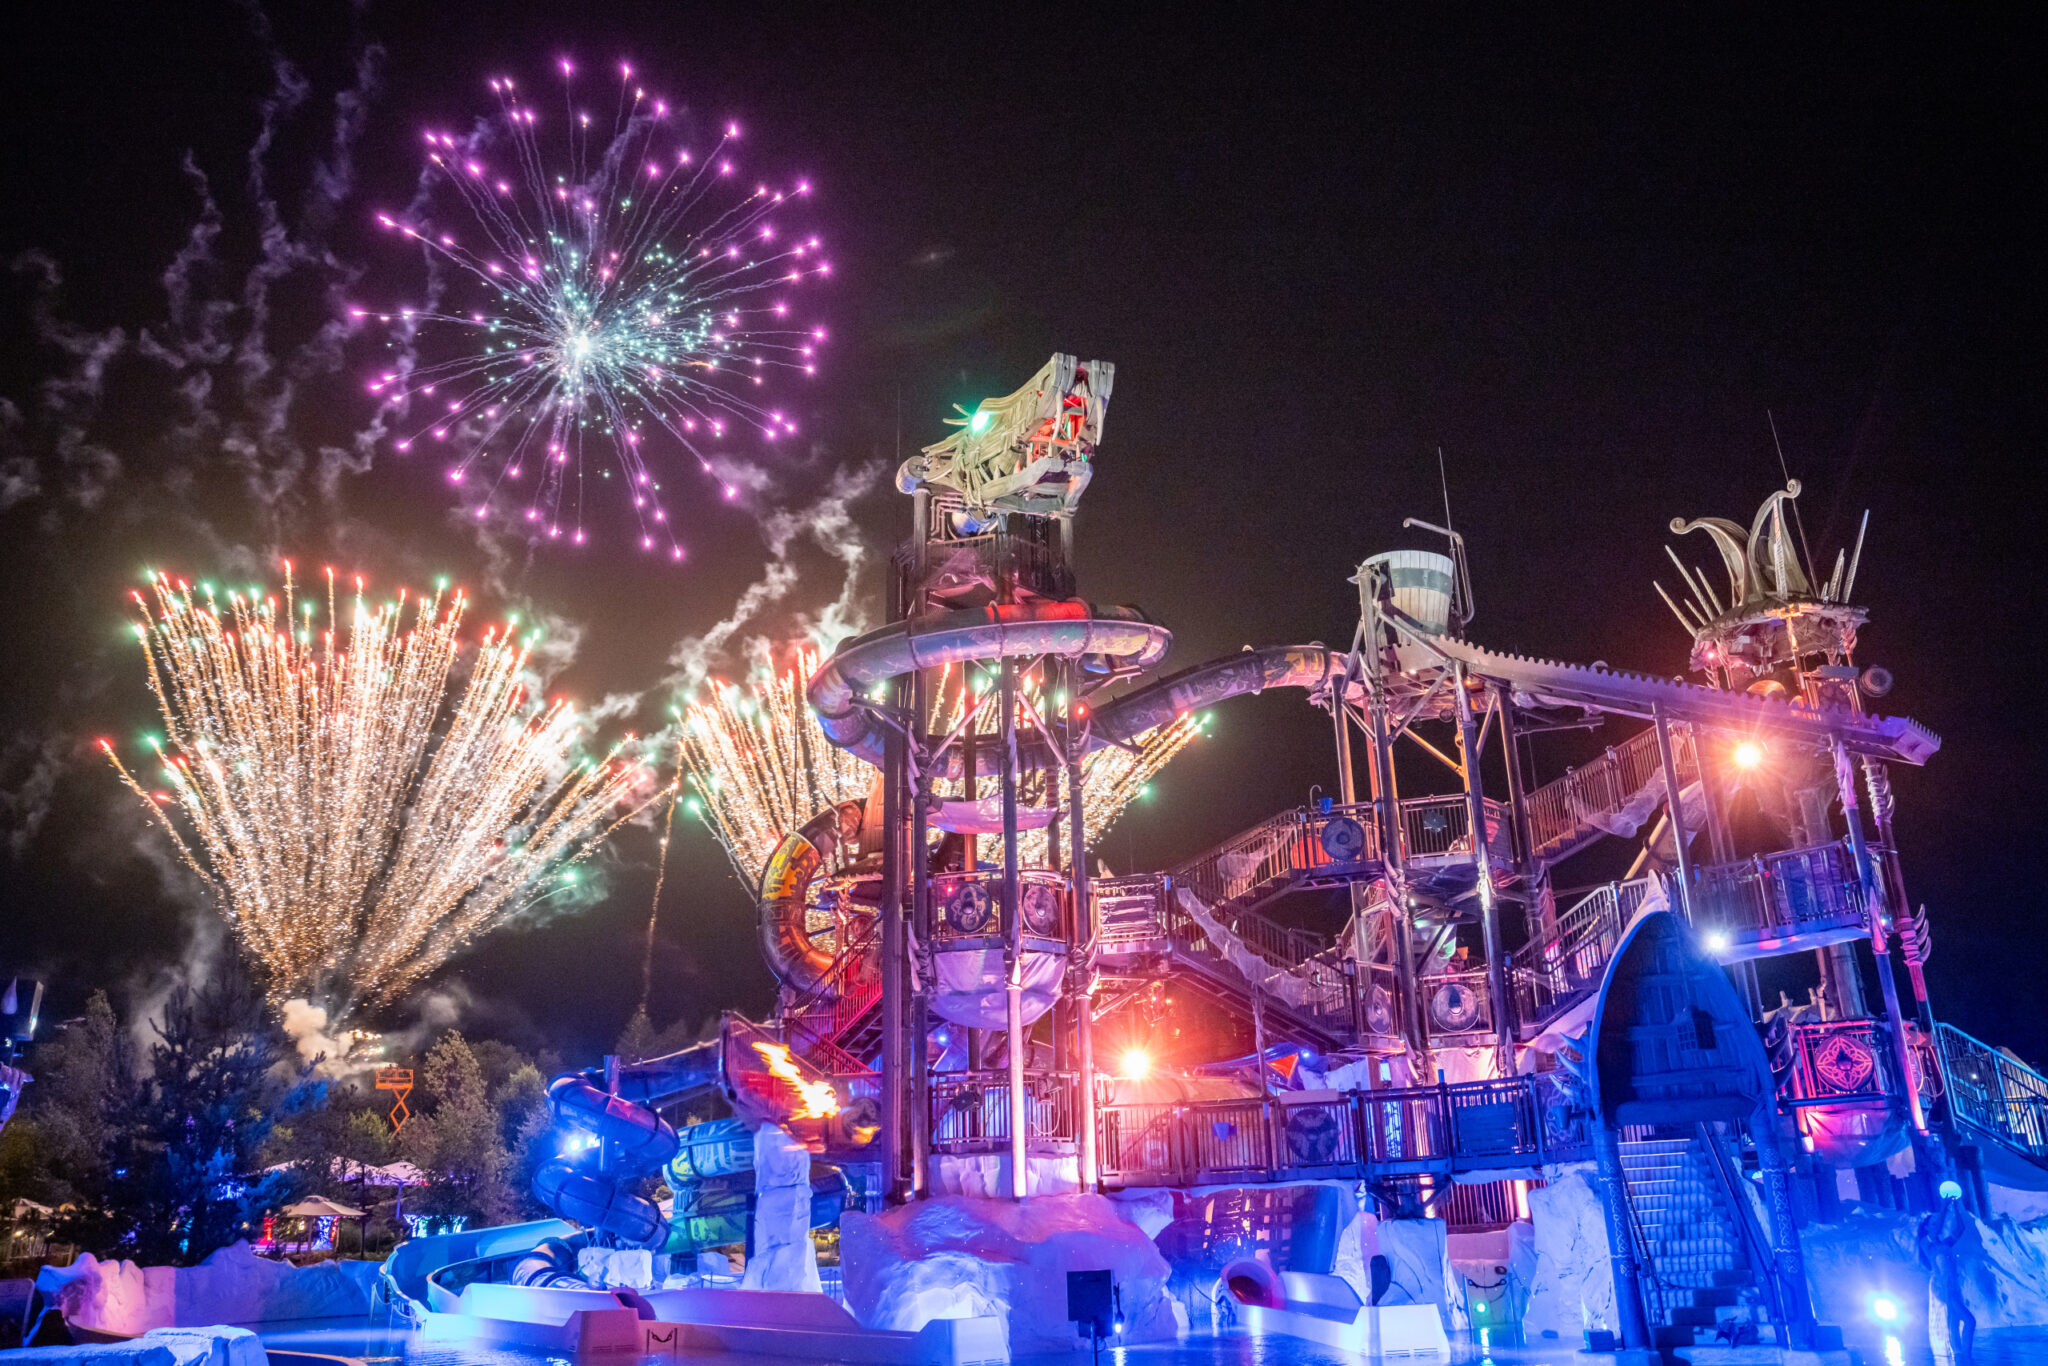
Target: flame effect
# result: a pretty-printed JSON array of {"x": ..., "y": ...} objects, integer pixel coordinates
[
  {"x": 358, "y": 829},
  {"x": 820, "y": 1101},
  {"x": 608, "y": 288}
]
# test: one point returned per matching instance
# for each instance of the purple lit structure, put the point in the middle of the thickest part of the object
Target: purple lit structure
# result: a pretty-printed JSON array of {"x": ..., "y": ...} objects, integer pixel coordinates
[{"x": 1312, "y": 1124}]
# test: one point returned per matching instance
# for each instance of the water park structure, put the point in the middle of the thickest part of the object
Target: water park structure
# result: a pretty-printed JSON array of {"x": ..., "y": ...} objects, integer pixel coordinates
[{"x": 1408, "y": 1046}]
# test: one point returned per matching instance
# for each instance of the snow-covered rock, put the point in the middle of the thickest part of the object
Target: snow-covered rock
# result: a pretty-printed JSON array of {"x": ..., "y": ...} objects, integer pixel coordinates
[
  {"x": 1148, "y": 1209},
  {"x": 234, "y": 1285},
  {"x": 2021, "y": 1206},
  {"x": 161, "y": 1347},
  {"x": 782, "y": 1256},
  {"x": 1571, "y": 1287},
  {"x": 216, "y": 1346},
  {"x": 1850, "y": 1260},
  {"x": 1357, "y": 1245},
  {"x": 632, "y": 1268},
  {"x": 958, "y": 1257},
  {"x": 1418, "y": 1256}
]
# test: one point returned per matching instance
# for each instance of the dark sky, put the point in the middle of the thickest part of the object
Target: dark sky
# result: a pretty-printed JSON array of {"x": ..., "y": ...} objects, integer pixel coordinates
[{"x": 1584, "y": 254}]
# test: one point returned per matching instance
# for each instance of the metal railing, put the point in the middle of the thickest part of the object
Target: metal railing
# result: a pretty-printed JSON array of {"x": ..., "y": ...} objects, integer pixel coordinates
[
  {"x": 1993, "y": 1093},
  {"x": 816, "y": 1024},
  {"x": 1435, "y": 829},
  {"x": 1565, "y": 812},
  {"x": 1278, "y": 849},
  {"x": 970, "y": 1111},
  {"x": 1834, "y": 1060},
  {"x": 1440, "y": 1130},
  {"x": 1142, "y": 915},
  {"x": 1549, "y": 976},
  {"x": 1794, "y": 892}
]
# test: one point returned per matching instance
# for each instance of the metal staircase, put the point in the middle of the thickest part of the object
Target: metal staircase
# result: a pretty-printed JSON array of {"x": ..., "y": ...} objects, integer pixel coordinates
[
  {"x": 1994, "y": 1096},
  {"x": 837, "y": 1024},
  {"x": 1705, "y": 1268}
]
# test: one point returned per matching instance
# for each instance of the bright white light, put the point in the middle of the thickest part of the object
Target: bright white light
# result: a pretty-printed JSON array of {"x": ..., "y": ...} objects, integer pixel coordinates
[
  {"x": 1136, "y": 1064},
  {"x": 1717, "y": 942},
  {"x": 1884, "y": 1309},
  {"x": 1748, "y": 754}
]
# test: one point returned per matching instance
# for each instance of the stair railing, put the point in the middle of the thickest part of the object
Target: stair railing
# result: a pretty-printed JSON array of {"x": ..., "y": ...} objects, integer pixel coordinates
[
  {"x": 1993, "y": 1093},
  {"x": 1561, "y": 812},
  {"x": 1756, "y": 1250}
]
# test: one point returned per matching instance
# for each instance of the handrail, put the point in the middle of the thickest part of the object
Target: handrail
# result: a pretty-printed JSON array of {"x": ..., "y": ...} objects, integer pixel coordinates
[
  {"x": 1466, "y": 1126},
  {"x": 1561, "y": 812},
  {"x": 1754, "y": 1247},
  {"x": 1993, "y": 1093},
  {"x": 1791, "y": 890}
]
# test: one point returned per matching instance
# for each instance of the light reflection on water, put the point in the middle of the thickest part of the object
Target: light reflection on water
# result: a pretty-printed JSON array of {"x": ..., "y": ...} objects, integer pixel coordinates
[{"x": 2013, "y": 1347}]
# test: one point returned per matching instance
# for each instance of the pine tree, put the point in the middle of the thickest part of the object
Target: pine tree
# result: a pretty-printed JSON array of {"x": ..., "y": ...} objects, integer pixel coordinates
[{"x": 187, "y": 1156}]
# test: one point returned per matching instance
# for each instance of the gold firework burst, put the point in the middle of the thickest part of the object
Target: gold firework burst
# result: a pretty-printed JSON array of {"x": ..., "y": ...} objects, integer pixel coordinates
[{"x": 361, "y": 814}]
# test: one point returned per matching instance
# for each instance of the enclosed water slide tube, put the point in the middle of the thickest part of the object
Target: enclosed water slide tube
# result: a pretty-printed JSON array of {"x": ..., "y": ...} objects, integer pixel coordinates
[
  {"x": 785, "y": 881},
  {"x": 629, "y": 1140},
  {"x": 1105, "y": 640},
  {"x": 1204, "y": 685}
]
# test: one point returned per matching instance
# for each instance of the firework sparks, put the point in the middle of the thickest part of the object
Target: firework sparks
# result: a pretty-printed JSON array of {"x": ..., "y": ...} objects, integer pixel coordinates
[
  {"x": 358, "y": 827},
  {"x": 759, "y": 766},
  {"x": 616, "y": 285}
]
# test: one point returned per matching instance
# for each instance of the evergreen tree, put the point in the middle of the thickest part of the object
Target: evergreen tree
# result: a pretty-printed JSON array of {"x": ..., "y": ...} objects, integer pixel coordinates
[
  {"x": 459, "y": 1142},
  {"x": 187, "y": 1171}
]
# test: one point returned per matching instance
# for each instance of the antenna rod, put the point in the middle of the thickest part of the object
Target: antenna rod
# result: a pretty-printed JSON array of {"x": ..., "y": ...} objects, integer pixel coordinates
[
  {"x": 1797, "y": 520},
  {"x": 1686, "y": 579},
  {"x": 1856, "y": 557},
  {"x": 1689, "y": 627}
]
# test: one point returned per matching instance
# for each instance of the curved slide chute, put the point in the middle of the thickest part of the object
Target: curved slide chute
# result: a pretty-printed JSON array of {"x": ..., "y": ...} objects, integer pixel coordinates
[
  {"x": 1104, "y": 639},
  {"x": 785, "y": 943},
  {"x": 626, "y": 1140},
  {"x": 802, "y": 966},
  {"x": 1204, "y": 685}
]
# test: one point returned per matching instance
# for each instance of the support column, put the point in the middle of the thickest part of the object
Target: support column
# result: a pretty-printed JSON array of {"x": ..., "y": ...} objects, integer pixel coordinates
[
  {"x": 1081, "y": 964},
  {"x": 1013, "y": 931},
  {"x": 1881, "y": 804},
  {"x": 1482, "y": 866},
  {"x": 894, "y": 1019},
  {"x": 1674, "y": 793},
  {"x": 1621, "y": 1240},
  {"x": 1784, "y": 1229},
  {"x": 921, "y": 939},
  {"x": 1874, "y": 903},
  {"x": 1347, "y": 794}
]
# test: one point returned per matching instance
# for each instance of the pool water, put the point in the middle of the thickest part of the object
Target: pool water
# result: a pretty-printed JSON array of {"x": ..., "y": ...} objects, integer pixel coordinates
[{"x": 378, "y": 1347}]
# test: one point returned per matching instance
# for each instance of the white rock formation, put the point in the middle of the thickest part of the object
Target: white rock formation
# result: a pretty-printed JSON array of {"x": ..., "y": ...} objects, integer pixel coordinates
[
  {"x": 1148, "y": 1209},
  {"x": 957, "y": 1257},
  {"x": 1418, "y": 1255},
  {"x": 159, "y": 1347},
  {"x": 234, "y": 1285},
  {"x": 1571, "y": 1287},
  {"x": 632, "y": 1268},
  {"x": 781, "y": 1256}
]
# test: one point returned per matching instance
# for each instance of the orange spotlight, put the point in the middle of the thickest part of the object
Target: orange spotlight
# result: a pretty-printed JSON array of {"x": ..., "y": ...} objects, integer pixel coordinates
[{"x": 1136, "y": 1064}]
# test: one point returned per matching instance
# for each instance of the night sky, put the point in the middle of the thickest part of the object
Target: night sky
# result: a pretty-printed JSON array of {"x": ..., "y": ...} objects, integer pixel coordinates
[{"x": 1585, "y": 256}]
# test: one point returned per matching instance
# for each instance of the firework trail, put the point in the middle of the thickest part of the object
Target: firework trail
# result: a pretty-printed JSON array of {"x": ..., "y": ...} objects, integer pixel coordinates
[
  {"x": 758, "y": 765},
  {"x": 613, "y": 287},
  {"x": 358, "y": 826}
]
